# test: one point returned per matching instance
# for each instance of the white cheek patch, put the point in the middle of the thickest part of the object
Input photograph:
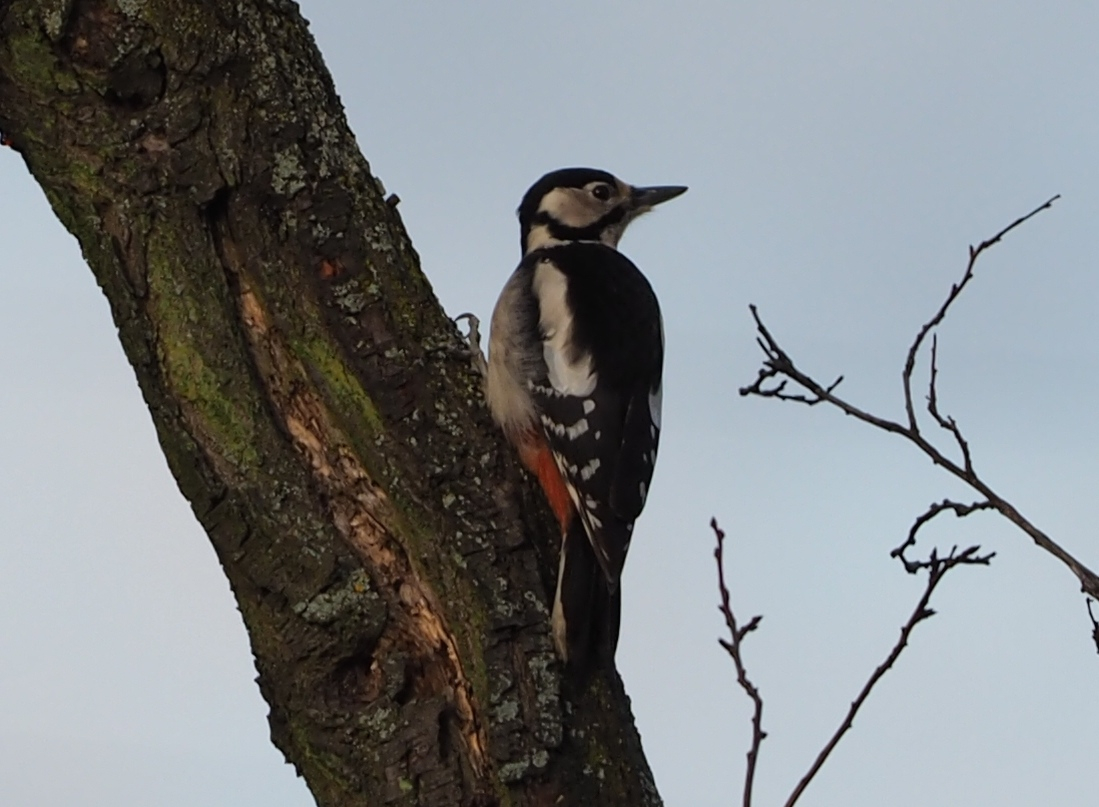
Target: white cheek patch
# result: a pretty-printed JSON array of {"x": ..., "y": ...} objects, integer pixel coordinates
[
  {"x": 568, "y": 373},
  {"x": 573, "y": 207}
]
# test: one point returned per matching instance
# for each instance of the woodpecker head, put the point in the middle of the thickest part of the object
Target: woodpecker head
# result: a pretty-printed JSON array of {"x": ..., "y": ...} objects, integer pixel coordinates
[{"x": 584, "y": 204}]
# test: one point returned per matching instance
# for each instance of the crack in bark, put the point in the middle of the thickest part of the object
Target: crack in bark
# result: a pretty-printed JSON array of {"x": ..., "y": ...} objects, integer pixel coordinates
[{"x": 358, "y": 506}]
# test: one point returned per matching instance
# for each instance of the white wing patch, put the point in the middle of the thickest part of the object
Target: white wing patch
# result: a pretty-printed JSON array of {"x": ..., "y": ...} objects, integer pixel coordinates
[
  {"x": 656, "y": 396},
  {"x": 569, "y": 373},
  {"x": 656, "y": 402}
]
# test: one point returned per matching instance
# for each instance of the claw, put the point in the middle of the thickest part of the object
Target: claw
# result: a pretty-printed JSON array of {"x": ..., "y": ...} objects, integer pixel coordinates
[{"x": 476, "y": 355}]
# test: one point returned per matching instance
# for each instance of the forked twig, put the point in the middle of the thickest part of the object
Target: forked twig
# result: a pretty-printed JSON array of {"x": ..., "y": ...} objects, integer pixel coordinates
[
  {"x": 955, "y": 290},
  {"x": 946, "y": 505},
  {"x": 945, "y": 421}
]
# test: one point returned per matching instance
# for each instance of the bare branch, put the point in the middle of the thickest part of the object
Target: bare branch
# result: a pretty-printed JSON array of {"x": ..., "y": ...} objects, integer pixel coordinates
[
  {"x": 779, "y": 377},
  {"x": 937, "y": 567},
  {"x": 732, "y": 647},
  {"x": 779, "y": 369},
  {"x": 778, "y": 364}
]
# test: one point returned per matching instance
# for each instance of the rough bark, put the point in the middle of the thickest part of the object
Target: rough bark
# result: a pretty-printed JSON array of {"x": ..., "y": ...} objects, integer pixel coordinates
[{"x": 392, "y": 565}]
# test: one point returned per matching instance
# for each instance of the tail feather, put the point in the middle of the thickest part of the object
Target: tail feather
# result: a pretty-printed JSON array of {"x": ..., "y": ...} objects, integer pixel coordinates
[{"x": 586, "y": 612}]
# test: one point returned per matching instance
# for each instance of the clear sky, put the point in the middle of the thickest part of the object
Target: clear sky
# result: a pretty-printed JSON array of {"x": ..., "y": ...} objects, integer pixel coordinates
[{"x": 841, "y": 158}]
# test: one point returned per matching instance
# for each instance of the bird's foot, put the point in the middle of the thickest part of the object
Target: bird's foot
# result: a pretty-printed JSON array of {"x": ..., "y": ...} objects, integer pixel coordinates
[{"x": 476, "y": 355}]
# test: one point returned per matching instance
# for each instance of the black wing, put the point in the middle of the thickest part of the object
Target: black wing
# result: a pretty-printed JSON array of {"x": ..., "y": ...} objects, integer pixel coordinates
[{"x": 605, "y": 441}]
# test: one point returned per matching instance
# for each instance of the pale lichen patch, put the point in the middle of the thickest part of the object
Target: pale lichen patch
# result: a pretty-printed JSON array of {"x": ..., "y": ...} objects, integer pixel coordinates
[
  {"x": 131, "y": 8},
  {"x": 288, "y": 174},
  {"x": 328, "y": 606},
  {"x": 505, "y": 711}
]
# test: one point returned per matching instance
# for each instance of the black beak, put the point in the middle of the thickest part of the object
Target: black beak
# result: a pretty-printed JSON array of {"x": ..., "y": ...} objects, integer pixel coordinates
[{"x": 646, "y": 198}]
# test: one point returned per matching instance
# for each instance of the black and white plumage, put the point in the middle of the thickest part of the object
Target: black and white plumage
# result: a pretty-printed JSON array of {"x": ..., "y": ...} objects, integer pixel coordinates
[{"x": 574, "y": 379}]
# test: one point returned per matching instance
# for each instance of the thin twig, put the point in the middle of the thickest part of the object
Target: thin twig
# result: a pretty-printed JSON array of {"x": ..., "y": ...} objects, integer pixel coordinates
[
  {"x": 946, "y": 505},
  {"x": 946, "y": 422},
  {"x": 955, "y": 290},
  {"x": 732, "y": 647},
  {"x": 1094, "y": 626},
  {"x": 937, "y": 567}
]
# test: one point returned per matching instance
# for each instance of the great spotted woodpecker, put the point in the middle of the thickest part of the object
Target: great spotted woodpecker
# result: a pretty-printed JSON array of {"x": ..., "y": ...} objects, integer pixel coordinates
[{"x": 574, "y": 380}]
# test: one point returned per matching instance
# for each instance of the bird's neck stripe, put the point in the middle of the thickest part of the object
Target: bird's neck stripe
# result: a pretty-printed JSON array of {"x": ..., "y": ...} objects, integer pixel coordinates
[
  {"x": 546, "y": 231},
  {"x": 541, "y": 236}
]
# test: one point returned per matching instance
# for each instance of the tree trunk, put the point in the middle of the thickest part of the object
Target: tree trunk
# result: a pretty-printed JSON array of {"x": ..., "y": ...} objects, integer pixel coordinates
[{"x": 393, "y": 566}]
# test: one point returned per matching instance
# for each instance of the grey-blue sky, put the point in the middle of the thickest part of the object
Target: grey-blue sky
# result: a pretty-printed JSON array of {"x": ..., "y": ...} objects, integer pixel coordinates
[{"x": 840, "y": 161}]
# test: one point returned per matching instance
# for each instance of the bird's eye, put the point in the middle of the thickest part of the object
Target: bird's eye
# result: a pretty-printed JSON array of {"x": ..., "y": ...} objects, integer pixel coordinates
[{"x": 601, "y": 192}]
